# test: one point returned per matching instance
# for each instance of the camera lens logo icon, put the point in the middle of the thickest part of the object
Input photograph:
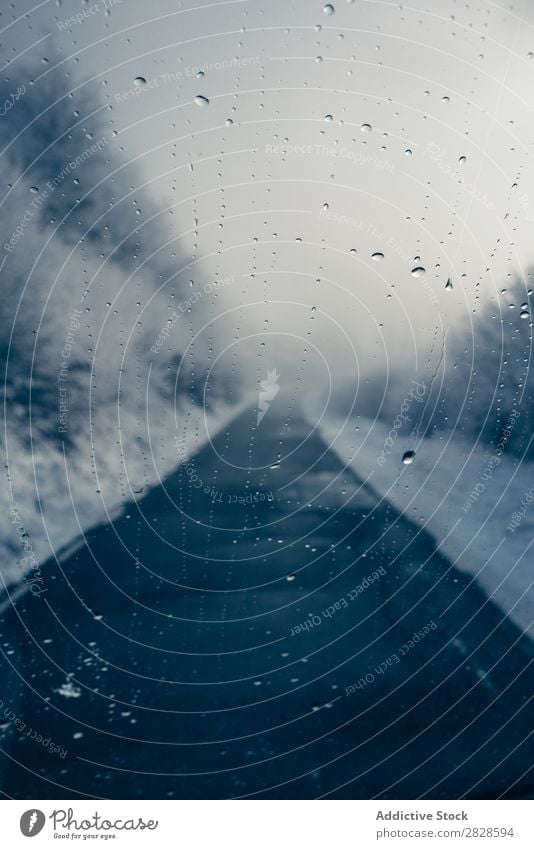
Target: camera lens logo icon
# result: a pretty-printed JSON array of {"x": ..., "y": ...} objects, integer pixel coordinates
[{"x": 32, "y": 822}]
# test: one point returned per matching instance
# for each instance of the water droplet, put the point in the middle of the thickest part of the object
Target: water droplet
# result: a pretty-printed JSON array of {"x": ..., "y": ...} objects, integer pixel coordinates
[
  {"x": 408, "y": 152},
  {"x": 229, "y": 122},
  {"x": 140, "y": 82},
  {"x": 524, "y": 314},
  {"x": 448, "y": 285},
  {"x": 329, "y": 9},
  {"x": 377, "y": 256},
  {"x": 34, "y": 190},
  {"x": 408, "y": 457},
  {"x": 445, "y": 99},
  {"x": 328, "y": 118},
  {"x": 366, "y": 128},
  {"x": 200, "y": 75},
  {"x": 69, "y": 691},
  {"x": 200, "y": 100},
  {"x": 462, "y": 159},
  {"x": 418, "y": 271}
]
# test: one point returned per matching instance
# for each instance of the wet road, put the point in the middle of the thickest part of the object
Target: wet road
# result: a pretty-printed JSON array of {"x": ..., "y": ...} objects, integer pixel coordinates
[{"x": 168, "y": 656}]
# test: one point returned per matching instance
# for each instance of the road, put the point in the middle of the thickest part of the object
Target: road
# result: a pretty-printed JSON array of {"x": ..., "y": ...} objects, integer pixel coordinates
[{"x": 167, "y": 657}]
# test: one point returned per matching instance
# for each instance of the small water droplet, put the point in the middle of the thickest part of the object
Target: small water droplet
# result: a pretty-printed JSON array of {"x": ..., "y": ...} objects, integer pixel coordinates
[
  {"x": 524, "y": 314},
  {"x": 34, "y": 190},
  {"x": 140, "y": 82},
  {"x": 448, "y": 285},
  {"x": 408, "y": 457},
  {"x": 329, "y": 9},
  {"x": 328, "y": 118},
  {"x": 366, "y": 128},
  {"x": 418, "y": 271},
  {"x": 377, "y": 256},
  {"x": 69, "y": 691},
  {"x": 408, "y": 152},
  {"x": 200, "y": 100}
]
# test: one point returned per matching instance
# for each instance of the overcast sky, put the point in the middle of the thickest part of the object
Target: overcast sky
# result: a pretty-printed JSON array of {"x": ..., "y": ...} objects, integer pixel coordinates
[{"x": 375, "y": 129}]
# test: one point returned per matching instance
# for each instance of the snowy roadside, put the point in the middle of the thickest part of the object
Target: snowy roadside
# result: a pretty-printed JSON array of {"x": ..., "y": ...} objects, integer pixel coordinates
[
  {"x": 70, "y": 503},
  {"x": 461, "y": 495}
]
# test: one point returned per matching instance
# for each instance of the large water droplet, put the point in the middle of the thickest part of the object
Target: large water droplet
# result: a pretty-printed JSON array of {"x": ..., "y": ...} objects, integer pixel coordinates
[
  {"x": 366, "y": 128},
  {"x": 329, "y": 9},
  {"x": 408, "y": 457},
  {"x": 200, "y": 100},
  {"x": 140, "y": 82},
  {"x": 418, "y": 271},
  {"x": 377, "y": 256},
  {"x": 448, "y": 285}
]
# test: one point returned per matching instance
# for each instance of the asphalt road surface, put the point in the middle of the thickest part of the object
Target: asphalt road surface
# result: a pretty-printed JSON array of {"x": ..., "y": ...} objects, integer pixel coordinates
[{"x": 168, "y": 657}]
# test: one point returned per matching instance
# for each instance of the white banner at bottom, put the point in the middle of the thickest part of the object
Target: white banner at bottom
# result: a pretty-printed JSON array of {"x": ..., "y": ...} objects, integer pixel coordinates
[{"x": 267, "y": 824}]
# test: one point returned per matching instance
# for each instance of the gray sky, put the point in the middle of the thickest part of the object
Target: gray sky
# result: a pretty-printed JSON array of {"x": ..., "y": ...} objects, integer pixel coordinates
[{"x": 324, "y": 109}]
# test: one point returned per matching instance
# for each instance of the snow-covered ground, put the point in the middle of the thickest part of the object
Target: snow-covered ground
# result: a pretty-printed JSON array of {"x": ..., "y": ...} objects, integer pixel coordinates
[
  {"x": 96, "y": 330},
  {"x": 433, "y": 491}
]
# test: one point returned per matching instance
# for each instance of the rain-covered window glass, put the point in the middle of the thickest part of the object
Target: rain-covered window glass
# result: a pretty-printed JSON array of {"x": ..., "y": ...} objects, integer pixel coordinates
[{"x": 266, "y": 346}]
